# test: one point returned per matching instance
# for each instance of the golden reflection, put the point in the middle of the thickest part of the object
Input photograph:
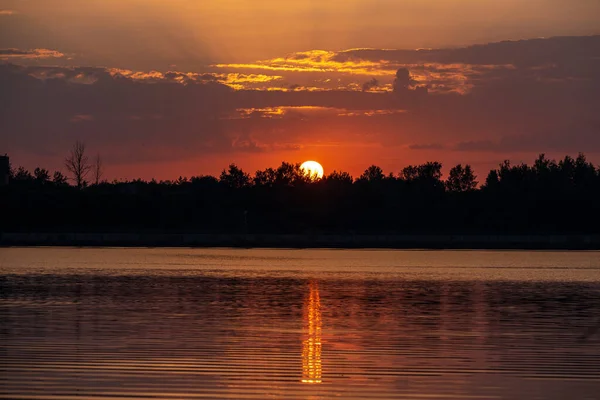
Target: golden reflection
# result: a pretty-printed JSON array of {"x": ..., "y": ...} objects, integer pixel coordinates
[{"x": 311, "y": 346}]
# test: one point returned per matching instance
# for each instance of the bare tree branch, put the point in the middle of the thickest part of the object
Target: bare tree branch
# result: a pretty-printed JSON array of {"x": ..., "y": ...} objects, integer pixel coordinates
[
  {"x": 77, "y": 164},
  {"x": 98, "y": 169}
]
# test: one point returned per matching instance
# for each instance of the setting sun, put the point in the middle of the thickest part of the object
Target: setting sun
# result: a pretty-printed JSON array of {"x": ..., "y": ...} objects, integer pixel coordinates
[{"x": 312, "y": 169}]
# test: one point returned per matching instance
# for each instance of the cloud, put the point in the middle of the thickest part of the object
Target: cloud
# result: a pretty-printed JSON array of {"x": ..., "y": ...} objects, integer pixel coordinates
[
  {"x": 151, "y": 116},
  {"x": 322, "y": 69},
  {"x": 571, "y": 138},
  {"x": 403, "y": 80},
  {"x": 477, "y": 145},
  {"x": 315, "y": 61},
  {"x": 249, "y": 81},
  {"x": 307, "y": 112},
  {"x": 521, "y": 53},
  {"x": 428, "y": 146},
  {"x": 248, "y": 144},
  {"x": 441, "y": 71},
  {"x": 234, "y": 80},
  {"x": 370, "y": 85},
  {"x": 82, "y": 118},
  {"x": 457, "y": 70},
  {"x": 88, "y": 75},
  {"x": 8, "y": 54},
  {"x": 7, "y": 12}
]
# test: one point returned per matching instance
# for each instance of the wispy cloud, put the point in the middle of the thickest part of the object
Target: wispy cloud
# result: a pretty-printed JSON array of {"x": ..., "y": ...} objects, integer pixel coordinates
[
  {"x": 349, "y": 72},
  {"x": 235, "y": 80},
  {"x": 8, "y": 54},
  {"x": 82, "y": 118},
  {"x": 288, "y": 111},
  {"x": 7, "y": 12},
  {"x": 427, "y": 146},
  {"x": 316, "y": 61},
  {"x": 305, "y": 112}
]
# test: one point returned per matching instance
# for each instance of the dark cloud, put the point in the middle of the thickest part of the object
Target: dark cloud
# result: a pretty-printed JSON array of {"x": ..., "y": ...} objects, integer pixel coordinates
[
  {"x": 139, "y": 117},
  {"x": 476, "y": 145},
  {"x": 427, "y": 146},
  {"x": 522, "y": 53},
  {"x": 582, "y": 137},
  {"x": 370, "y": 84},
  {"x": 11, "y": 54},
  {"x": 403, "y": 80},
  {"x": 126, "y": 118}
]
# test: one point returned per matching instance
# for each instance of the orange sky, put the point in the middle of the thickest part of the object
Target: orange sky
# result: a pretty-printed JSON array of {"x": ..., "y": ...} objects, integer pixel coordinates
[
  {"x": 183, "y": 87},
  {"x": 146, "y": 34}
]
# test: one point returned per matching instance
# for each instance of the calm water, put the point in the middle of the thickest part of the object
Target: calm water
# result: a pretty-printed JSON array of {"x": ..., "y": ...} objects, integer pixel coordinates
[{"x": 309, "y": 324}]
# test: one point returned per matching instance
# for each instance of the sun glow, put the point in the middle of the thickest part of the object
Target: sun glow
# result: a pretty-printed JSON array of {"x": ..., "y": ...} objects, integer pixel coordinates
[{"x": 312, "y": 169}]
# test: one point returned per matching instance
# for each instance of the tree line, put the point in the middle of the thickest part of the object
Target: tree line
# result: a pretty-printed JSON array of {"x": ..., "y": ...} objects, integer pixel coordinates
[
  {"x": 77, "y": 164},
  {"x": 547, "y": 196}
]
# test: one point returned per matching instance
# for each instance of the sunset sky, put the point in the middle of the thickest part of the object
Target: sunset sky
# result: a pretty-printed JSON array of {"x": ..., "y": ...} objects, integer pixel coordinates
[{"x": 163, "y": 88}]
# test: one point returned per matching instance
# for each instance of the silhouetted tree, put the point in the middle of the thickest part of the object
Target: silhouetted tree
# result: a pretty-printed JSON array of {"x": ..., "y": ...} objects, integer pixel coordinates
[
  {"x": 544, "y": 197},
  {"x": 461, "y": 179},
  {"x": 77, "y": 164},
  {"x": 204, "y": 180},
  {"x": 430, "y": 171},
  {"x": 182, "y": 180},
  {"x": 409, "y": 173},
  {"x": 425, "y": 177},
  {"x": 98, "y": 169},
  {"x": 513, "y": 177},
  {"x": 372, "y": 174},
  {"x": 493, "y": 180},
  {"x": 23, "y": 175},
  {"x": 41, "y": 175},
  {"x": 566, "y": 168},
  {"x": 542, "y": 166},
  {"x": 235, "y": 177},
  {"x": 290, "y": 174},
  {"x": 59, "y": 179},
  {"x": 267, "y": 177},
  {"x": 339, "y": 177},
  {"x": 585, "y": 172}
]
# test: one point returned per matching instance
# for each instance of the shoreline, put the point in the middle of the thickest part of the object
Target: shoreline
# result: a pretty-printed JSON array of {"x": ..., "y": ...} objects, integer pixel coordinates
[{"x": 298, "y": 241}]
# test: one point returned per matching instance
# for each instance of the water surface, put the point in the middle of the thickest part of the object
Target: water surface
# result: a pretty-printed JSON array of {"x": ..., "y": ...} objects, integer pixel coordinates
[{"x": 306, "y": 324}]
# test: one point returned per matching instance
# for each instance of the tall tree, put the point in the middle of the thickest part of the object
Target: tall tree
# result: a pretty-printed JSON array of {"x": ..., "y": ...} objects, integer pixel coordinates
[
  {"x": 235, "y": 177},
  {"x": 461, "y": 179},
  {"x": 77, "y": 164},
  {"x": 98, "y": 169},
  {"x": 492, "y": 181}
]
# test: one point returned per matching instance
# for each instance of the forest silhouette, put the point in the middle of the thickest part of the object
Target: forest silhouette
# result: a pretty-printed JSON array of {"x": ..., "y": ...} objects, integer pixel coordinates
[{"x": 547, "y": 197}]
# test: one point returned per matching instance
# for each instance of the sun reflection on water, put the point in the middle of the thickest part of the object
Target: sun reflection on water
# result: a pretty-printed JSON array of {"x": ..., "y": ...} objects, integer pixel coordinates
[{"x": 311, "y": 346}]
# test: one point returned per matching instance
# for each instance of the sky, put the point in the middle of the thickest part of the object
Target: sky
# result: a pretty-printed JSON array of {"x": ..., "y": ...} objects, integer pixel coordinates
[{"x": 169, "y": 88}]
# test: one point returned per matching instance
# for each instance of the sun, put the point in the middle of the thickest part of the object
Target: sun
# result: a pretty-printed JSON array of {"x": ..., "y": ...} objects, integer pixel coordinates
[{"x": 313, "y": 169}]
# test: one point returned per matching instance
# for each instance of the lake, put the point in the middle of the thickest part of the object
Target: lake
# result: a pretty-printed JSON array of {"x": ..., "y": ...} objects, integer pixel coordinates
[{"x": 298, "y": 324}]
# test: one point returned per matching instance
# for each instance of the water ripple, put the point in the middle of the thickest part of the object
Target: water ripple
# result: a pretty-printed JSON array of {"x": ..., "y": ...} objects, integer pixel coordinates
[{"x": 280, "y": 333}]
